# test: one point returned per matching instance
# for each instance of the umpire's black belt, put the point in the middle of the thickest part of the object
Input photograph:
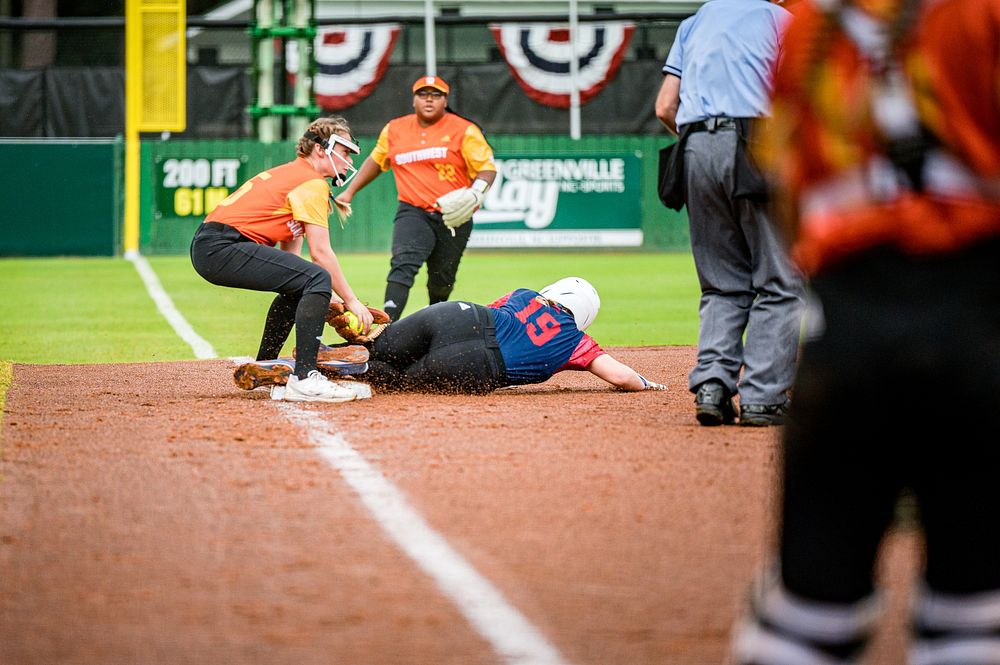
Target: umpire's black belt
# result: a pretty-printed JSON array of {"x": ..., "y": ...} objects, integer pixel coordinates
[{"x": 713, "y": 124}]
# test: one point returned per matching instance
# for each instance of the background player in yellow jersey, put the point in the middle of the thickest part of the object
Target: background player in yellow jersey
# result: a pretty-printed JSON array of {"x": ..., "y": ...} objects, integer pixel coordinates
[
  {"x": 253, "y": 240},
  {"x": 443, "y": 167}
]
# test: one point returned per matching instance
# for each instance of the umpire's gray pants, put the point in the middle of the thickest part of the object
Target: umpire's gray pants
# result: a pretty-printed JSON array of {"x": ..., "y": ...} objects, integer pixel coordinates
[{"x": 747, "y": 283}]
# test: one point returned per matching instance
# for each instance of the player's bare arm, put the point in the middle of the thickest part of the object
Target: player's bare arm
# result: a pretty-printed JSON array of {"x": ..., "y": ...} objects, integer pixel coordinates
[
  {"x": 668, "y": 101},
  {"x": 620, "y": 375},
  {"x": 293, "y": 246},
  {"x": 486, "y": 176},
  {"x": 322, "y": 253}
]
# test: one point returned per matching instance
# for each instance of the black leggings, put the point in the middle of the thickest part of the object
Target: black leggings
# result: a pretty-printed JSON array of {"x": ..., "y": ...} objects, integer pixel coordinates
[
  {"x": 225, "y": 257},
  {"x": 448, "y": 347},
  {"x": 896, "y": 394},
  {"x": 419, "y": 236}
]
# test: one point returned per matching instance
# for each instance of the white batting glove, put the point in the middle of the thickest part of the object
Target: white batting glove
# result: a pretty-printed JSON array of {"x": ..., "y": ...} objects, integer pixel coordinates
[
  {"x": 457, "y": 206},
  {"x": 651, "y": 385}
]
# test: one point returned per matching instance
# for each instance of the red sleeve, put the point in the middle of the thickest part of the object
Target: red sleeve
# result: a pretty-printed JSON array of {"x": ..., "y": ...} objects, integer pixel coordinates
[
  {"x": 499, "y": 302},
  {"x": 584, "y": 354}
]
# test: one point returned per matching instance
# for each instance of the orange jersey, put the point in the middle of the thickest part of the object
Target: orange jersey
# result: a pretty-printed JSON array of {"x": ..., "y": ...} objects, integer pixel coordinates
[
  {"x": 431, "y": 161},
  {"x": 272, "y": 206},
  {"x": 823, "y": 147}
]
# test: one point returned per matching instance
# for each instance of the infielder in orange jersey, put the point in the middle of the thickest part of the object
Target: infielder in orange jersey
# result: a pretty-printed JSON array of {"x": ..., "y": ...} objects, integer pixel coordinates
[
  {"x": 238, "y": 246},
  {"x": 885, "y": 146},
  {"x": 443, "y": 167}
]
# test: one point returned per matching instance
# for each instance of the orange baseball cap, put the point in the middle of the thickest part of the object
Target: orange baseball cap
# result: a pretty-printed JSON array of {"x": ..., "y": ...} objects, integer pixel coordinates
[{"x": 430, "y": 82}]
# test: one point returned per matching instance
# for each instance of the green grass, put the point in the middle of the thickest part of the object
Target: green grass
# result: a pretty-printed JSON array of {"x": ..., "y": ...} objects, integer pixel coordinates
[{"x": 74, "y": 310}]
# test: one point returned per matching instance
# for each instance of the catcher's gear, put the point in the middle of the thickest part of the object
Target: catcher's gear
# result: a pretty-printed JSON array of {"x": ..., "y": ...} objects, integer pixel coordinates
[
  {"x": 578, "y": 296},
  {"x": 458, "y": 205},
  {"x": 328, "y": 144},
  {"x": 336, "y": 316}
]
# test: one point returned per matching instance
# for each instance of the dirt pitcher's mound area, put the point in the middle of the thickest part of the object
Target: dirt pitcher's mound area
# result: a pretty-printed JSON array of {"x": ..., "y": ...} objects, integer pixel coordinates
[{"x": 153, "y": 513}]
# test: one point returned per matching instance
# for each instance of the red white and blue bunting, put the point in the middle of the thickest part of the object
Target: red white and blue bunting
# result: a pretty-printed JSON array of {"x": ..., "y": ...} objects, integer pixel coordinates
[
  {"x": 539, "y": 57},
  {"x": 350, "y": 62}
]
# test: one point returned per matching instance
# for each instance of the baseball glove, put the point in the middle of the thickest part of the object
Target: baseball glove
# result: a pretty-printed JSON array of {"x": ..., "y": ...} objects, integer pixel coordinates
[
  {"x": 458, "y": 205},
  {"x": 337, "y": 317}
]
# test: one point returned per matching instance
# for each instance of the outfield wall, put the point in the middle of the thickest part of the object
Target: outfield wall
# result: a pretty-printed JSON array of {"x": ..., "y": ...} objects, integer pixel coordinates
[
  {"x": 60, "y": 197},
  {"x": 64, "y": 197},
  {"x": 599, "y": 192}
]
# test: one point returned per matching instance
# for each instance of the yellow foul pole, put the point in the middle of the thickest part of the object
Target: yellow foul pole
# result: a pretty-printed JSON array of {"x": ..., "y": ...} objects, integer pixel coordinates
[
  {"x": 155, "y": 88},
  {"x": 133, "y": 89}
]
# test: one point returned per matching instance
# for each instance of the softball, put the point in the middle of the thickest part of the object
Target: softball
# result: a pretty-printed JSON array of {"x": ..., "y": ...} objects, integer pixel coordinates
[{"x": 353, "y": 322}]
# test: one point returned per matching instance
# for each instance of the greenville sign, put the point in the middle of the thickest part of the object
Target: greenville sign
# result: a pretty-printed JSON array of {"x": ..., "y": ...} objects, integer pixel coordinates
[{"x": 562, "y": 201}]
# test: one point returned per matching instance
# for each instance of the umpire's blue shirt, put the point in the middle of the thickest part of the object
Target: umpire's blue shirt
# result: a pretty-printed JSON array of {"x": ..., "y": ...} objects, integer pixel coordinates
[{"x": 725, "y": 57}]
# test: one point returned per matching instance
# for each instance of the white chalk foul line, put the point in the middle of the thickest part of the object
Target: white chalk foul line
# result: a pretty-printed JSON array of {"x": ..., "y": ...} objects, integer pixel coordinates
[
  {"x": 202, "y": 349},
  {"x": 511, "y": 635}
]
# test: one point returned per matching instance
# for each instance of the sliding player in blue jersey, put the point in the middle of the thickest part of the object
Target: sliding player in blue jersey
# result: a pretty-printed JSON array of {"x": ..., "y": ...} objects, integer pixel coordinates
[{"x": 524, "y": 337}]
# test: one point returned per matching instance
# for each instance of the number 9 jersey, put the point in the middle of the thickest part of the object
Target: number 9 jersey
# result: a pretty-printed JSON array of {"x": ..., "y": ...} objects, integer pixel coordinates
[{"x": 537, "y": 340}]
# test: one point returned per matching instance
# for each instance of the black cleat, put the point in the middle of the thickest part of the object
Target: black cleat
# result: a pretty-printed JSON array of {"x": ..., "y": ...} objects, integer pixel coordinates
[
  {"x": 713, "y": 405},
  {"x": 764, "y": 415}
]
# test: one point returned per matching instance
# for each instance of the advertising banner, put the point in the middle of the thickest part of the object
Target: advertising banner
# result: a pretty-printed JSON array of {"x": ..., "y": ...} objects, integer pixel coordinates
[
  {"x": 193, "y": 187},
  {"x": 562, "y": 200},
  {"x": 562, "y": 194},
  {"x": 186, "y": 187}
]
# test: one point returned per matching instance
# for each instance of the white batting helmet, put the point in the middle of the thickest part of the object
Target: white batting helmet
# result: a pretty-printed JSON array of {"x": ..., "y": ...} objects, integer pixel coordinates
[{"x": 578, "y": 296}]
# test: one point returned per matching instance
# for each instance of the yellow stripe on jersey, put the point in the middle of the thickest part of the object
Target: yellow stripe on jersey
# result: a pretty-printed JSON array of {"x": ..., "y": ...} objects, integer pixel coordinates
[
  {"x": 380, "y": 153},
  {"x": 477, "y": 152},
  {"x": 309, "y": 203}
]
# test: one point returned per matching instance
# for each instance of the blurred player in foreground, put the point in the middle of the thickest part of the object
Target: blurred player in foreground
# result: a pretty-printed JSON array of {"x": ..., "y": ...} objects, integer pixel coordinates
[
  {"x": 236, "y": 246},
  {"x": 524, "y": 337},
  {"x": 886, "y": 139}
]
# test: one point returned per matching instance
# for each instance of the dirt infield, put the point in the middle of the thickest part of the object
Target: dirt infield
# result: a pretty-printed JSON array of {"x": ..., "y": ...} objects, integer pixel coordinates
[{"x": 153, "y": 513}]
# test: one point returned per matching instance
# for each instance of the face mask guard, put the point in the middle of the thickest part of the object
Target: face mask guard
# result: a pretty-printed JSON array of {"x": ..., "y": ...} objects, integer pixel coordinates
[{"x": 328, "y": 144}]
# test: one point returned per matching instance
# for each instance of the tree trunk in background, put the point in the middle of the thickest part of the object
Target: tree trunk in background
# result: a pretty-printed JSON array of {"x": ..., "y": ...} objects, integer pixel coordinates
[{"x": 38, "y": 50}]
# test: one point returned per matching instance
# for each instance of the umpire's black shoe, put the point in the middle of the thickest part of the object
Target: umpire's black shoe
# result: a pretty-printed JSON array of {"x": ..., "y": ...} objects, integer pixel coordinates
[
  {"x": 763, "y": 415},
  {"x": 713, "y": 405}
]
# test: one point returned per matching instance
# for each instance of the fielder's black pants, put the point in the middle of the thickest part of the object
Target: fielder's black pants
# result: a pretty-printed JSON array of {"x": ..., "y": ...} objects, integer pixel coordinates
[
  {"x": 419, "y": 236},
  {"x": 447, "y": 347},
  {"x": 894, "y": 395},
  {"x": 223, "y": 256}
]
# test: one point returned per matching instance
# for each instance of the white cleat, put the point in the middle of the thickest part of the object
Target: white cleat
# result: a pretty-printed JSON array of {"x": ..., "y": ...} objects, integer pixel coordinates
[{"x": 316, "y": 388}]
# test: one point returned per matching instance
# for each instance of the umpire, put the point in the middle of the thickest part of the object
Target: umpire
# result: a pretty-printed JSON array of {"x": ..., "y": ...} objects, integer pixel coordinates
[
  {"x": 717, "y": 79},
  {"x": 443, "y": 167}
]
